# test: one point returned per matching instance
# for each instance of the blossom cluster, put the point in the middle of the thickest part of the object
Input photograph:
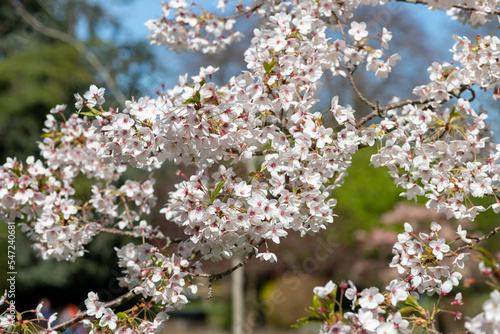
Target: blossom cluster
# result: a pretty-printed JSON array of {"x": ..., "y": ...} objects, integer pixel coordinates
[
  {"x": 190, "y": 31},
  {"x": 421, "y": 264},
  {"x": 44, "y": 198},
  {"x": 417, "y": 259},
  {"x": 487, "y": 321},
  {"x": 370, "y": 317},
  {"x": 183, "y": 28},
  {"x": 42, "y": 193},
  {"x": 150, "y": 273},
  {"x": 106, "y": 320},
  {"x": 445, "y": 153}
]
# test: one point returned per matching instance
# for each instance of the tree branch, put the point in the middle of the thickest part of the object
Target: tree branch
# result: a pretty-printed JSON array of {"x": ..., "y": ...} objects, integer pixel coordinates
[
  {"x": 132, "y": 234},
  {"x": 364, "y": 99},
  {"x": 380, "y": 111},
  {"x": 458, "y": 6},
  {"x": 79, "y": 46},
  {"x": 83, "y": 314},
  {"x": 478, "y": 240},
  {"x": 248, "y": 13},
  {"x": 215, "y": 277}
]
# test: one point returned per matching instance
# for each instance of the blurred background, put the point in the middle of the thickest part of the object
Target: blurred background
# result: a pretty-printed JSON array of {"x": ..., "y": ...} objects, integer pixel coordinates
[{"x": 77, "y": 43}]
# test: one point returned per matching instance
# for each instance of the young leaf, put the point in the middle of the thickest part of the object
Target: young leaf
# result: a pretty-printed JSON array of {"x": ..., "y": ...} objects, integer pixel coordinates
[
  {"x": 122, "y": 315},
  {"x": 269, "y": 66},
  {"x": 195, "y": 99},
  {"x": 217, "y": 190},
  {"x": 487, "y": 258},
  {"x": 316, "y": 303},
  {"x": 93, "y": 112},
  {"x": 303, "y": 321},
  {"x": 412, "y": 305}
]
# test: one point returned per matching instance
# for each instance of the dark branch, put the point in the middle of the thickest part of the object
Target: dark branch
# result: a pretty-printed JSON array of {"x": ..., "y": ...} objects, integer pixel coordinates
[
  {"x": 83, "y": 314},
  {"x": 132, "y": 234},
  {"x": 458, "y": 6},
  {"x": 215, "y": 277},
  {"x": 477, "y": 240}
]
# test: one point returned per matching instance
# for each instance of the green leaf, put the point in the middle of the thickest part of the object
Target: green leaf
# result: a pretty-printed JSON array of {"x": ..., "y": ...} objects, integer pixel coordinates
[
  {"x": 195, "y": 99},
  {"x": 269, "y": 66},
  {"x": 217, "y": 190},
  {"x": 316, "y": 303},
  {"x": 454, "y": 114},
  {"x": 93, "y": 112},
  {"x": 487, "y": 258},
  {"x": 303, "y": 321},
  {"x": 412, "y": 305},
  {"x": 122, "y": 315},
  {"x": 329, "y": 303},
  {"x": 16, "y": 171},
  {"x": 406, "y": 310},
  {"x": 51, "y": 134}
]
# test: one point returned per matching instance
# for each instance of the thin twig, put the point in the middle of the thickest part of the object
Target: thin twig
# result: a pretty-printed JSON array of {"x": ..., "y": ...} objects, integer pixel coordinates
[
  {"x": 380, "y": 111},
  {"x": 362, "y": 98},
  {"x": 477, "y": 240},
  {"x": 79, "y": 46},
  {"x": 215, "y": 277},
  {"x": 132, "y": 234},
  {"x": 458, "y": 6},
  {"x": 245, "y": 12},
  {"x": 83, "y": 314}
]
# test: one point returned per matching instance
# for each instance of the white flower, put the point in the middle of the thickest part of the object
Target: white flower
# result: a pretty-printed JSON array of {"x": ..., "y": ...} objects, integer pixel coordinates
[
  {"x": 242, "y": 189},
  {"x": 58, "y": 109},
  {"x": 463, "y": 235},
  {"x": 94, "y": 306},
  {"x": 458, "y": 299},
  {"x": 267, "y": 256},
  {"x": 439, "y": 247},
  {"x": 52, "y": 318},
  {"x": 358, "y": 30},
  {"x": 39, "y": 314},
  {"x": 397, "y": 291},
  {"x": 79, "y": 102},
  {"x": 108, "y": 319},
  {"x": 487, "y": 321},
  {"x": 94, "y": 96},
  {"x": 371, "y": 298},
  {"x": 323, "y": 292},
  {"x": 491, "y": 307},
  {"x": 367, "y": 321},
  {"x": 351, "y": 293}
]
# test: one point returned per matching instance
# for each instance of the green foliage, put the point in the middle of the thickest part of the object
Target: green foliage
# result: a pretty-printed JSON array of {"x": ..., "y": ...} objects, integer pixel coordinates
[
  {"x": 367, "y": 193},
  {"x": 322, "y": 310},
  {"x": 33, "y": 82},
  {"x": 40, "y": 77}
]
